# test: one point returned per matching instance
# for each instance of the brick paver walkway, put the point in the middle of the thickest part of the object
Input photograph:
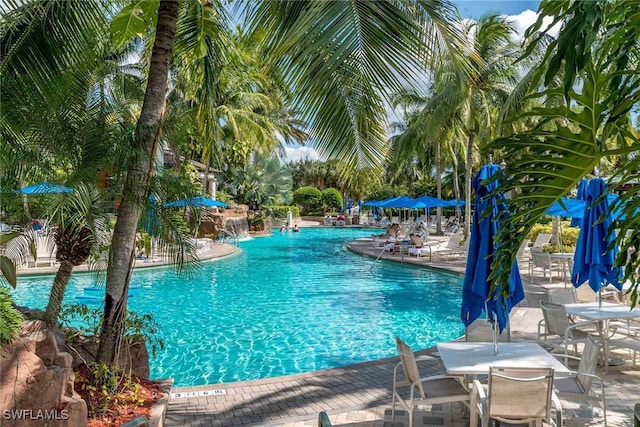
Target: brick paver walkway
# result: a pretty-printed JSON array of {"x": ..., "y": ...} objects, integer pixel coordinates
[{"x": 360, "y": 395}]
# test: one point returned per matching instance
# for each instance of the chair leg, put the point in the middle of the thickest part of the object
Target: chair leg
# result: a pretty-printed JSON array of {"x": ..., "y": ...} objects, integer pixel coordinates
[{"x": 411, "y": 416}]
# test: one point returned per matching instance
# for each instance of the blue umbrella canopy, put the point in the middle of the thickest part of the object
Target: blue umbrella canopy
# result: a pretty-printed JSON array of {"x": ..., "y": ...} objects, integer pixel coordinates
[
  {"x": 197, "y": 201},
  {"x": 455, "y": 202},
  {"x": 432, "y": 202},
  {"x": 45, "y": 188},
  {"x": 476, "y": 286},
  {"x": 567, "y": 207},
  {"x": 580, "y": 195},
  {"x": 593, "y": 260}
]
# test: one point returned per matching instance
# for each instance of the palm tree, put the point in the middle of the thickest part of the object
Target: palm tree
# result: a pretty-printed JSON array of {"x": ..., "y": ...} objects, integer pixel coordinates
[
  {"x": 82, "y": 230},
  {"x": 262, "y": 182},
  {"x": 580, "y": 120},
  {"x": 471, "y": 102},
  {"x": 337, "y": 57}
]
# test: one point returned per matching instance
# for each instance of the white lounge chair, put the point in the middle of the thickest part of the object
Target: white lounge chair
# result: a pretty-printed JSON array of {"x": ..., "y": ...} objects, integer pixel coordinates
[{"x": 45, "y": 252}]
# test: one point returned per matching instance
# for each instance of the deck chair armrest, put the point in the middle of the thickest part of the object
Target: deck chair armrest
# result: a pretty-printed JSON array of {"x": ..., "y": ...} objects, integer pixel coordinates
[
  {"x": 578, "y": 326},
  {"x": 438, "y": 377},
  {"x": 424, "y": 357},
  {"x": 558, "y": 407}
]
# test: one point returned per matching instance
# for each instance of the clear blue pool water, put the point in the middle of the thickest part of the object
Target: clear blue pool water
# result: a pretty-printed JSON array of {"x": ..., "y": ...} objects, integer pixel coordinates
[{"x": 291, "y": 303}]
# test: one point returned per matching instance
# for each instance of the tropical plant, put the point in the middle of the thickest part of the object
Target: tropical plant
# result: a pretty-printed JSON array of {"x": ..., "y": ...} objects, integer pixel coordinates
[
  {"x": 262, "y": 181},
  {"x": 331, "y": 199},
  {"x": 337, "y": 58},
  {"x": 10, "y": 318},
  {"x": 310, "y": 198},
  {"x": 469, "y": 103},
  {"x": 583, "y": 120}
]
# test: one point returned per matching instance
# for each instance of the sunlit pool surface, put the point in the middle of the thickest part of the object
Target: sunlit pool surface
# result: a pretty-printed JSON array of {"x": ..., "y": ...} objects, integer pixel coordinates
[{"x": 291, "y": 303}]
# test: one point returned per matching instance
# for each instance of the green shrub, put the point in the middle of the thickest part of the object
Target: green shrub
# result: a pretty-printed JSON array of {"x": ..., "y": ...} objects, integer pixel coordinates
[
  {"x": 569, "y": 234},
  {"x": 310, "y": 198},
  {"x": 10, "y": 318},
  {"x": 331, "y": 199},
  {"x": 280, "y": 211}
]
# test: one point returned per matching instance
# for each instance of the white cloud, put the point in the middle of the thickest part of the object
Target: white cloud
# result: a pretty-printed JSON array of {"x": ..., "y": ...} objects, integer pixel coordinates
[
  {"x": 293, "y": 154},
  {"x": 525, "y": 19}
]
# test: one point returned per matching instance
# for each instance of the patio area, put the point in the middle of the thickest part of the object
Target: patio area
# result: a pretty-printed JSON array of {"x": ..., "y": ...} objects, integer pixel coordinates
[{"x": 360, "y": 395}]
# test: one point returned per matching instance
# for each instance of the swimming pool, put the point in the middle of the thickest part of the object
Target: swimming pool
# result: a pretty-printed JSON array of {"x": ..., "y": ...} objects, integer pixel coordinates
[{"x": 290, "y": 303}]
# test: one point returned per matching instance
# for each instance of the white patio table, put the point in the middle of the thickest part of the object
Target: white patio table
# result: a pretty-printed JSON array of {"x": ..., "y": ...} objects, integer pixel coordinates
[
  {"x": 602, "y": 314},
  {"x": 475, "y": 358}
]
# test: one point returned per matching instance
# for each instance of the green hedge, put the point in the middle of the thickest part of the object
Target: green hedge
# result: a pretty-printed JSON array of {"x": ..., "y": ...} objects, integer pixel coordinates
[
  {"x": 309, "y": 198},
  {"x": 569, "y": 234},
  {"x": 332, "y": 199},
  {"x": 280, "y": 211}
]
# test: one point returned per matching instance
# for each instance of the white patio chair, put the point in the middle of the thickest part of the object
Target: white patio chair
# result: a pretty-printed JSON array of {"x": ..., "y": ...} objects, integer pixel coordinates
[
  {"x": 422, "y": 391},
  {"x": 45, "y": 251},
  {"x": 534, "y": 298},
  {"x": 562, "y": 296},
  {"x": 556, "y": 322},
  {"x": 579, "y": 385},
  {"x": 480, "y": 331},
  {"x": 515, "y": 396},
  {"x": 542, "y": 260}
]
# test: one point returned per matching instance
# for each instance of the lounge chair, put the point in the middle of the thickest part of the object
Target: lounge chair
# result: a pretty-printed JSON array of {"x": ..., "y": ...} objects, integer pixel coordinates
[
  {"x": 452, "y": 247},
  {"x": 45, "y": 252},
  {"x": 579, "y": 385},
  {"x": 515, "y": 396},
  {"x": 542, "y": 240},
  {"x": 431, "y": 390}
]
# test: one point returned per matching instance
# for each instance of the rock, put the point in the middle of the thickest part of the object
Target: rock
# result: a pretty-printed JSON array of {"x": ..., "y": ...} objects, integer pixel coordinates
[
  {"x": 41, "y": 341},
  {"x": 76, "y": 410},
  {"x": 64, "y": 360},
  {"x": 135, "y": 358}
]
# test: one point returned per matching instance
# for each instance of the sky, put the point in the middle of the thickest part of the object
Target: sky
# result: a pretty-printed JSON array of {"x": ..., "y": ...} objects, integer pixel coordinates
[{"x": 521, "y": 12}]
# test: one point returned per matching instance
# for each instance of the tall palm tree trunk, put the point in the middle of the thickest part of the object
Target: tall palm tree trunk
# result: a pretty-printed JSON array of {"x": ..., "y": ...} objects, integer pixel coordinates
[
  {"x": 123, "y": 244},
  {"x": 456, "y": 185},
  {"x": 438, "y": 162},
  {"x": 57, "y": 293},
  {"x": 467, "y": 184}
]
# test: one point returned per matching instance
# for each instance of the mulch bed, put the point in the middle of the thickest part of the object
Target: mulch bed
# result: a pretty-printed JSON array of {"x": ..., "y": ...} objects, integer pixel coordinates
[{"x": 133, "y": 398}]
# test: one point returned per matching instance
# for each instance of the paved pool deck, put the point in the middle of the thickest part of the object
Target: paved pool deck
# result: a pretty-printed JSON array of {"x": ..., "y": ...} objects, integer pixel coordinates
[
  {"x": 360, "y": 395},
  {"x": 216, "y": 251}
]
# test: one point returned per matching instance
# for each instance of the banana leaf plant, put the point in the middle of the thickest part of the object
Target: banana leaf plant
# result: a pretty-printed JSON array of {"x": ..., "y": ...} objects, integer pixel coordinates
[{"x": 586, "y": 88}]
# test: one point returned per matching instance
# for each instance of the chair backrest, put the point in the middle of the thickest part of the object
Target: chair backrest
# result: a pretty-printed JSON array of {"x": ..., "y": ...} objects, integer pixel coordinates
[
  {"x": 534, "y": 298},
  {"x": 480, "y": 331},
  {"x": 562, "y": 296},
  {"x": 540, "y": 258},
  {"x": 588, "y": 363},
  {"x": 541, "y": 240},
  {"x": 45, "y": 246},
  {"x": 454, "y": 241},
  {"x": 584, "y": 293},
  {"x": 520, "y": 394},
  {"x": 409, "y": 365},
  {"x": 555, "y": 318}
]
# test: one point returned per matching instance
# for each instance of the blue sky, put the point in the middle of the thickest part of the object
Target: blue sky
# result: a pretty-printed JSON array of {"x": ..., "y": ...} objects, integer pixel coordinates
[{"x": 476, "y": 8}]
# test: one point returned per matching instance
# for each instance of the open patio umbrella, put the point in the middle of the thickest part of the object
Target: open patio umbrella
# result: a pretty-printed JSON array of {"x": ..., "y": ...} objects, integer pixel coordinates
[
  {"x": 45, "y": 188},
  {"x": 197, "y": 201},
  {"x": 581, "y": 195},
  {"x": 476, "y": 296},
  {"x": 593, "y": 260}
]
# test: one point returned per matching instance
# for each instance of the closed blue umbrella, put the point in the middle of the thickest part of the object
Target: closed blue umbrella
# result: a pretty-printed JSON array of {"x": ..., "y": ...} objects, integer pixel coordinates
[
  {"x": 580, "y": 195},
  {"x": 45, "y": 188},
  {"x": 197, "y": 201},
  {"x": 476, "y": 295},
  {"x": 593, "y": 260}
]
